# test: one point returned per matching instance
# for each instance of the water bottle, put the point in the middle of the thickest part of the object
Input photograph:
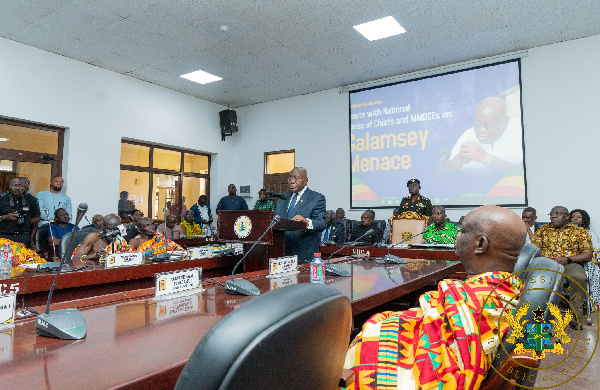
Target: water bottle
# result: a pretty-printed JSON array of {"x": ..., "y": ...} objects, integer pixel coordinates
[
  {"x": 5, "y": 261},
  {"x": 317, "y": 270}
]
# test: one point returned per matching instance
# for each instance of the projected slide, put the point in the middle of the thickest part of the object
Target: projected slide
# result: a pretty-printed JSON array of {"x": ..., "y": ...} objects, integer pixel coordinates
[{"x": 460, "y": 134}]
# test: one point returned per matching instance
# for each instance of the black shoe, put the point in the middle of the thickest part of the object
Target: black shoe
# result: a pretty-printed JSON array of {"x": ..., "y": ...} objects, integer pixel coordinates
[{"x": 575, "y": 325}]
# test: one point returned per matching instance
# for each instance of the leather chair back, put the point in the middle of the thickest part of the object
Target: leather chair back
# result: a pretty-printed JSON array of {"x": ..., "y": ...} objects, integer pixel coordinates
[
  {"x": 40, "y": 238},
  {"x": 528, "y": 253},
  {"x": 295, "y": 337},
  {"x": 78, "y": 238}
]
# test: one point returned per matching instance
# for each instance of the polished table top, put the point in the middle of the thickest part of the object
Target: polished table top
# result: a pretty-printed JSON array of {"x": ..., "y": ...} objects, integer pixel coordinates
[
  {"x": 410, "y": 253},
  {"x": 134, "y": 341}
]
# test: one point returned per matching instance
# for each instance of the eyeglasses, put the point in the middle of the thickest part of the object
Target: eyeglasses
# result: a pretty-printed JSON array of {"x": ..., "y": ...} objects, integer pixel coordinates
[
  {"x": 557, "y": 214},
  {"x": 487, "y": 125}
]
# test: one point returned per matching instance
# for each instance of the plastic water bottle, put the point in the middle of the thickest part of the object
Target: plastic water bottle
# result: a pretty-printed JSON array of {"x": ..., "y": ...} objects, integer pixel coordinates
[
  {"x": 5, "y": 261},
  {"x": 317, "y": 270}
]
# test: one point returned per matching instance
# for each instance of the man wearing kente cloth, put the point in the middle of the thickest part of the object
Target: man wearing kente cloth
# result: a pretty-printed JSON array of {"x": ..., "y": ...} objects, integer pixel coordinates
[
  {"x": 440, "y": 231},
  {"x": 189, "y": 227},
  {"x": 150, "y": 242},
  {"x": 97, "y": 245},
  {"x": 438, "y": 344},
  {"x": 415, "y": 202}
]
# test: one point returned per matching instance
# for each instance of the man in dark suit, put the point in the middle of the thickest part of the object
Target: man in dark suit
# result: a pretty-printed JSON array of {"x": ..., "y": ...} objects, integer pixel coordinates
[{"x": 306, "y": 206}]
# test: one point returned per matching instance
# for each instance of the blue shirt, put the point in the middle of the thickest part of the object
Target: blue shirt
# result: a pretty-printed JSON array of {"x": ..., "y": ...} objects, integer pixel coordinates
[
  {"x": 52, "y": 202},
  {"x": 59, "y": 232},
  {"x": 232, "y": 203}
]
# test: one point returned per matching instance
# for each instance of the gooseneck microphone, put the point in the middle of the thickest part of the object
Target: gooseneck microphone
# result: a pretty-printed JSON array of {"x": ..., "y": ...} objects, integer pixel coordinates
[
  {"x": 277, "y": 195},
  {"x": 332, "y": 269},
  {"x": 395, "y": 259},
  {"x": 242, "y": 286},
  {"x": 66, "y": 324}
]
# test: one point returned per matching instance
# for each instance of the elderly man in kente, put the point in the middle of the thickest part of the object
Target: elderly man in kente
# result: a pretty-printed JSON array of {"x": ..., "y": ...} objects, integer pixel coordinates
[
  {"x": 21, "y": 255},
  {"x": 150, "y": 242},
  {"x": 440, "y": 231},
  {"x": 570, "y": 246},
  {"x": 189, "y": 227},
  {"x": 448, "y": 342},
  {"x": 97, "y": 245}
]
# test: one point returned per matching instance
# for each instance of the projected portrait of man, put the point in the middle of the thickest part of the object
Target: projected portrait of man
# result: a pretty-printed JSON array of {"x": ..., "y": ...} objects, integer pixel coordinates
[{"x": 493, "y": 143}]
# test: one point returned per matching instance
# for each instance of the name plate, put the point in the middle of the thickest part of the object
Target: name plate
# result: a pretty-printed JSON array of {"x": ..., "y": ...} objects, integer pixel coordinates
[
  {"x": 284, "y": 281},
  {"x": 6, "y": 345},
  {"x": 283, "y": 266},
  {"x": 177, "y": 282},
  {"x": 238, "y": 249},
  {"x": 7, "y": 310},
  {"x": 200, "y": 252},
  {"x": 176, "y": 307},
  {"x": 124, "y": 259}
]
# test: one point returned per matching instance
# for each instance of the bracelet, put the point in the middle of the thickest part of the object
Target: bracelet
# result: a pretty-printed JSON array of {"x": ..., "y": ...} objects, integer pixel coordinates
[{"x": 569, "y": 261}]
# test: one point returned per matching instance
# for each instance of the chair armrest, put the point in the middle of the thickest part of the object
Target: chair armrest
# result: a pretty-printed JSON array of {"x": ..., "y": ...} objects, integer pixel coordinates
[
  {"x": 347, "y": 378},
  {"x": 516, "y": 368}
]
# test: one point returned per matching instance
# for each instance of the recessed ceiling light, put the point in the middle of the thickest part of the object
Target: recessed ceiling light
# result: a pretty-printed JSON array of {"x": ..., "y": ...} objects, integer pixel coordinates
[
  {"x": 380, "y": 28},
  {"x": 3, "y": 139},
  {"x": 201, "y": 77}
]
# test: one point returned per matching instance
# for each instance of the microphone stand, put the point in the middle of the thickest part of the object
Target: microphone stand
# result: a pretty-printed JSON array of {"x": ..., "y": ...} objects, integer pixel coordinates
[
  {"x": 51, "y": 235},
  {"x": 395, "y": 259},
  {"x": 242, "y": 286},
  {"x": 332, "y": 269}
]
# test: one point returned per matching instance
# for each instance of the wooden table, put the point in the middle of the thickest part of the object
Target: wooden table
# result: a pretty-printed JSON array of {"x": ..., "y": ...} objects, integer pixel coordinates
[
  {"x": 134, "y": 342},
  {"x": 410, "y": 253},
  {"x": 32, "y": 287}
]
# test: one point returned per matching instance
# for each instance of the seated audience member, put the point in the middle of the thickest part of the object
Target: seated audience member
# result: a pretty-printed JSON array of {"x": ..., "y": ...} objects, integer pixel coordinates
[
  {"x": 340, "y": 224},
  {"x": 150, "y": 242},
  {"x": 189, "y": 227},
  {"x": 440, "y": 231},
  {"x": 132, "y": 231},
  {"x": 170, "y": 229},
  {"x": 583, "y": 218},
  {"x": 98, "y": 222},
  {"x": 340, "y": 213},
  {"x": 366, "y": 221},
  {"x": 570, "y": 246},
  {"x": 529, "y": 215},
  {"x": 60, "y": 227},
  {"x": 202, "y": 214},
  {"x": 95, "y": 245},
  {"x": 388, "y": 227},
  {"x": 330, "y": 229},
  {"x": 436, "y": 345},
  {"x": 263, "y": 202}
]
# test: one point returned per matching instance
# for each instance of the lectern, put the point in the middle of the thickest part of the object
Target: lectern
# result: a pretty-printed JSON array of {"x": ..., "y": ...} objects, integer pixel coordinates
[{"x": 246, "y": 226}]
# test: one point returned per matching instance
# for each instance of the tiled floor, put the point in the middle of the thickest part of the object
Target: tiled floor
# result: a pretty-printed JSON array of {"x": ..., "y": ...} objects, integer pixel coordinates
[{"x": 569, "y": 371}]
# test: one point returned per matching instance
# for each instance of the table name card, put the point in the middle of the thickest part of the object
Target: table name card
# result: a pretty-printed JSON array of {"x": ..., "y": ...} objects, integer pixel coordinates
[
  {"x": 284, "y": 281},
  {"x": 177, "y": 282},
  {"x": 283, "y": 266},
  {"x": 238, "y": 248},
  {"x": 176, "y": 307},
  {"x": 200, "y": 252},
  {"x": 124, "y": 259},
  {"x": 7, "y": 310},
  {"x": 6, "y": 345}
]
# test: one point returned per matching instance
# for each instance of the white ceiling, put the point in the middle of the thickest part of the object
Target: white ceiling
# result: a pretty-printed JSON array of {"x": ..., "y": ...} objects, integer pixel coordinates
[{"x": 280, "y": 48}]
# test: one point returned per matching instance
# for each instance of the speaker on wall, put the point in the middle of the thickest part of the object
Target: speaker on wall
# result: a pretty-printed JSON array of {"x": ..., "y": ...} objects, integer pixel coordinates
[{"x": 228, "y": 123}]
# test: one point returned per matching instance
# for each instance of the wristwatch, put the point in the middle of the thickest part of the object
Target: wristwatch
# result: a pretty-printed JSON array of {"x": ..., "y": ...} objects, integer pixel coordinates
[
  {"x": 489, "y": 160},
  {"x": 569, "y": 261}
]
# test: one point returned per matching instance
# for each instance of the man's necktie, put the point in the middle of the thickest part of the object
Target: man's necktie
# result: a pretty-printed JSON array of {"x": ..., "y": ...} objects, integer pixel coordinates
[{"x": 291, "y": 208}]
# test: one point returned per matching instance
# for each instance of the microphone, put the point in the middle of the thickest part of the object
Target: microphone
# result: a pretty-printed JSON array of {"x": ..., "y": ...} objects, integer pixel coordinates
[
  {"x": 277, "y": 195},
  {"x": 242, "y": 286},
  {"x": 444, "y": 156},
  {"x": 65, "y": 324},
  {"x": 332, "y": 269},
  {"x": 395, "y": 259},
  {"x": 111, "y": 234},
  {"x": 88, "y": 221}
]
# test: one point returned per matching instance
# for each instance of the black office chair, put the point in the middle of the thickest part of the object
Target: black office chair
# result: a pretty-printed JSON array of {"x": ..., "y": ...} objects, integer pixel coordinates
[
  {"x": 295, "y": 337},
  {"x": 40, "y": 239},
  {"x": 78, "y": 238},
  {"x": 528, "y": 253},
  {"x": 537, "y": 291}
]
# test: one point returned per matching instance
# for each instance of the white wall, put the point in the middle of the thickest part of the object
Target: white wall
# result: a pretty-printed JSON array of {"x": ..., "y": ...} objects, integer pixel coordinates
[
  {"x": 99, "y": 107},
  {"x": 561, "y": 95}
]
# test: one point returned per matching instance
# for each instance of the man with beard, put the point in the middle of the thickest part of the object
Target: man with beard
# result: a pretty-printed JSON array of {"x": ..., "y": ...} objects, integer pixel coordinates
[{"x": 53, "y": 199}]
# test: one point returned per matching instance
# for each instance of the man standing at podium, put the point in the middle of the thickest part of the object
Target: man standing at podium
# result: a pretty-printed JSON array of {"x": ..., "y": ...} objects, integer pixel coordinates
[{"x": 306, "y": 206}]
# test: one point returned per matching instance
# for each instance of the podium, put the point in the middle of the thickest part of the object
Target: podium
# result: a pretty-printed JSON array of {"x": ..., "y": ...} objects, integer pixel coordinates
[{"x": 246, "y": 226}]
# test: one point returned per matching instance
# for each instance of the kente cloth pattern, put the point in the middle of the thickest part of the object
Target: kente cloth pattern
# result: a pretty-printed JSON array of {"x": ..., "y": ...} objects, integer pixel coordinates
[
  {"x": 20, "y": 255},
  {"x": 447, "y": 235},
  {"x": 436, "y": 345},
  {"x": 120, "y": 245},
  {"x": 568, "y": 241},
  {"x": 191, "y": 229},
  {"x": 158, "y": 244}
]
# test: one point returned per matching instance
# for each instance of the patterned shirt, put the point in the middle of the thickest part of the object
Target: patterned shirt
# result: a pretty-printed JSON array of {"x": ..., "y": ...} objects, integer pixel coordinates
[
  {"x": 264, "y": 204},
  {"x": 422, "y": 205},
  {"x": 568, "y": 241},
  {"x": 447, "y": 235}
]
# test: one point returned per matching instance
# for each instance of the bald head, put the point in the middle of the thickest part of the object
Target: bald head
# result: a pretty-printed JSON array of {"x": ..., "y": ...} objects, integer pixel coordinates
[
  {"x": 491, "y": 239},
  {"x": 111, "y": 221}
]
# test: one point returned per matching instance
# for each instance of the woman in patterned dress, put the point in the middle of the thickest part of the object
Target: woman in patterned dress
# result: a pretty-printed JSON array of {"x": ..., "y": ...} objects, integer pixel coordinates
[{"x": 582, "y": 216}]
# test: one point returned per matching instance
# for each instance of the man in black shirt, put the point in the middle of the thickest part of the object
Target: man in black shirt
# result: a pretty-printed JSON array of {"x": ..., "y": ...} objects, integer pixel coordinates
[
  {"x": 16, "y": 213},
  {"x": 366, "y": 221}
]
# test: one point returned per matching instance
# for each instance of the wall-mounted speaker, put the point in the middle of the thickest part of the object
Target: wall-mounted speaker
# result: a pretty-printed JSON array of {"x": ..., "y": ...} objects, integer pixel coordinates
[{"x": 228, "y": 119}]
